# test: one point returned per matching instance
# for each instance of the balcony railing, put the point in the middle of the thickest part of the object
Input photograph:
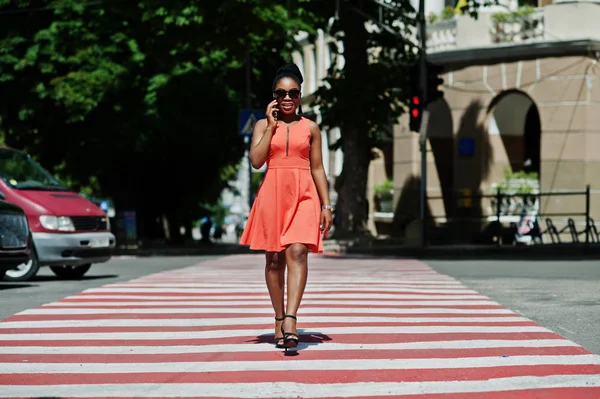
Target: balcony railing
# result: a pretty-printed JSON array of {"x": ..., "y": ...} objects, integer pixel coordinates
[
  {"x": 518, "y": 28},
  {"x": 522, "y": 26},
  {"x": 441, "y": 36}
]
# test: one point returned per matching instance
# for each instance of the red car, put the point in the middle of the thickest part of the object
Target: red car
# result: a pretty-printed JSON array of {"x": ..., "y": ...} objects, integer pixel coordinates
[{"x": 69, "y": 232}]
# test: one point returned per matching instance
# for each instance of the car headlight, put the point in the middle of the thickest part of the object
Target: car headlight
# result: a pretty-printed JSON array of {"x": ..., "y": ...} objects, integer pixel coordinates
[{"x": 60, "y": 223}]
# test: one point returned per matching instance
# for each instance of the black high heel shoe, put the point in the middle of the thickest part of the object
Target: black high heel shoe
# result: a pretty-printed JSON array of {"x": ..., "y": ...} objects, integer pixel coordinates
[
  {"x": 278, "y": 341},
  {"x": 290, "y": 340}
]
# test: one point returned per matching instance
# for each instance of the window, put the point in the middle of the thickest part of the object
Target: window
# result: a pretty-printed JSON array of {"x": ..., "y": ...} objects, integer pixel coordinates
[{"x": 20, "y": 171}]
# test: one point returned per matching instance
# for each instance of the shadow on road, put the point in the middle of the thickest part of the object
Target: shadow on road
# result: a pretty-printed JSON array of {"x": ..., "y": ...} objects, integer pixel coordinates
[
  {"x": 307, "y": 339},
  {"x": 8, "y": 286},
  {"x": 84, "y": 278}
]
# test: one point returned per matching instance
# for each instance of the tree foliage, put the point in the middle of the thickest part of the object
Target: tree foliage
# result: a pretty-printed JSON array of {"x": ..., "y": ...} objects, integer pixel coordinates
[
  {"x": 139, "y": 99},
  {"x": 136, "y": 99},
  {"x": 366, "y": 97},
  {"x": 381, "y": 93}
]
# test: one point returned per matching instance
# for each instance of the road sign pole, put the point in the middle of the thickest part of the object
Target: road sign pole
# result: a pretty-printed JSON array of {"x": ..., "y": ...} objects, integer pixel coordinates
[{"x": 423, "y": 141}]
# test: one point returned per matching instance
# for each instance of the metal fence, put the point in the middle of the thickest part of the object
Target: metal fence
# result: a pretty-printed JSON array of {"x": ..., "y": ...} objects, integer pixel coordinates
[{"x": 525, "y": 216}]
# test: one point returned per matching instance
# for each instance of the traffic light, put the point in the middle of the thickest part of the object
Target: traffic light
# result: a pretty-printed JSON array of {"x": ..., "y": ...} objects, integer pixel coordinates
[
  {"x": 416, "y": 113},
  {"x": 416, "y": 103},
  {"x": 433, "y": 82}
]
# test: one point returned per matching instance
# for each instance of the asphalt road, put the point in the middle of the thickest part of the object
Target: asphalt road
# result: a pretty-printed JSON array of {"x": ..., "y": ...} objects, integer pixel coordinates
[
  {"x": 563, "y": 296},
  {"x": 16, "y": 297}
]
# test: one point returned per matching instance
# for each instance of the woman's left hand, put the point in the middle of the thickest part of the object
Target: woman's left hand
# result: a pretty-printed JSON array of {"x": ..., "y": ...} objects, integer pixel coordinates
[{"x": 326, "y": 219}]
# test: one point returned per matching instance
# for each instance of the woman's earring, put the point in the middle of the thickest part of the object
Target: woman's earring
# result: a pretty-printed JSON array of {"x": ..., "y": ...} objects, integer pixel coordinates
[{"x": 300, "y": 109}]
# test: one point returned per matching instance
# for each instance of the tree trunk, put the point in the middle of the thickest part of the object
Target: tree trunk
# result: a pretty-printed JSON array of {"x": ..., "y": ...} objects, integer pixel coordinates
[{"x": 352, "y": 206}]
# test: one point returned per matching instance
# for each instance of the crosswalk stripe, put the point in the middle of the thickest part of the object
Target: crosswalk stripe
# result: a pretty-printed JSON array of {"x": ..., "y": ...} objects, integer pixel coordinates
[
  {"x": 308, "y": 301},
  {"x": 369, "y": 328},
  {"x": 265, "y": 310},
  {"x": 246, "y": 333},
  {"x": 247, "y": 320},
  {"x": 305, "y": 390},
  {"x": 134, "y": 350},
  {"x": 299, "y": 365}
]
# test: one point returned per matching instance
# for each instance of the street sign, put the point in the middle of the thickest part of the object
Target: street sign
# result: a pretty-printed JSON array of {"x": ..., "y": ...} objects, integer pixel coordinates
[
  {"x": 248, "y": 118},
  {"x": 104, "y": 205},
  {"x": 466, "y": 147}
]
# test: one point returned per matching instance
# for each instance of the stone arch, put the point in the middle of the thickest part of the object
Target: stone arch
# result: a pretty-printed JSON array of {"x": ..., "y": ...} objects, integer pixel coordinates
[{"x": 513, "y": 124}]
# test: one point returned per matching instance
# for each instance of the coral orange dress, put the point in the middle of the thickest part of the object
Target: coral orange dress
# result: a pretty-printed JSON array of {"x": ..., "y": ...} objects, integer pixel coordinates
[{"x": 287, "y": 208}]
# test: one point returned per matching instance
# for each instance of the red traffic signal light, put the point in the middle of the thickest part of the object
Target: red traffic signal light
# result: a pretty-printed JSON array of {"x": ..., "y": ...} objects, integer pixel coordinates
[{"x": 415, "y": 113}]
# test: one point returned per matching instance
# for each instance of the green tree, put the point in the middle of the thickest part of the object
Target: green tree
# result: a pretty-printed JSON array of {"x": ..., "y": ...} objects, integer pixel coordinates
[
  {"x": 365, "y": 98},
  {"x": 137, "y": 99}
]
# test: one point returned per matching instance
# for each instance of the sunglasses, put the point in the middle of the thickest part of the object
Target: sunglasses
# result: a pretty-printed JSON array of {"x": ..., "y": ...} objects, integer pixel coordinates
[{"x": 280, "y": 94}]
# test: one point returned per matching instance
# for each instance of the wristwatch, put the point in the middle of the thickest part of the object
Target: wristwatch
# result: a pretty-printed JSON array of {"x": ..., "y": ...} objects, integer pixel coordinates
[{"x": 326, "y": 207}]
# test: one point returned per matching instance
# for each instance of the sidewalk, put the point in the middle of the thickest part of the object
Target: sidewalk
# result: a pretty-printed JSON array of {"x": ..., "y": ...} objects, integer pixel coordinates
[{"x": 387, "y": 248}]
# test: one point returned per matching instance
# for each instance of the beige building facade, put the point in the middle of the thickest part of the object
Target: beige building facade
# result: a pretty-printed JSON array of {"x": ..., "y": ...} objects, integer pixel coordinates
[{"x": 521, "y": 94}]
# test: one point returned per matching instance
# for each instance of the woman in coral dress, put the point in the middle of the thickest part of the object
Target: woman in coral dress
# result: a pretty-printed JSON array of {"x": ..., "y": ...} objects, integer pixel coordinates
[{"x": 292, "y": 208}]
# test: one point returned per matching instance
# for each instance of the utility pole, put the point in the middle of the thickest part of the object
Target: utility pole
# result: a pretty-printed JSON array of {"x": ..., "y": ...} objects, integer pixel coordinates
[
  {"x": 248, "y": 139},
  {"x": 423, "y": 135}
]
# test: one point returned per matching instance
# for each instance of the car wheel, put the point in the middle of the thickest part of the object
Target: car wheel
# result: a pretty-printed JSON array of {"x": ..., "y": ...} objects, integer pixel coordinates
[
  {"x": 25, "y": 271},
  {"x": 71, "y": 272}
]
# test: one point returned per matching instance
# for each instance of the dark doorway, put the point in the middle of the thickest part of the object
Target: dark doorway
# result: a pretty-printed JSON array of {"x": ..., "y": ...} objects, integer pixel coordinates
[{"x": 532, "y": 141}]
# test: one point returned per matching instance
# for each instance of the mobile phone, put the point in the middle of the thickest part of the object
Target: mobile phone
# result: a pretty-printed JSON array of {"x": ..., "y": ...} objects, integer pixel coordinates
[{"x": 275, "y": 111}]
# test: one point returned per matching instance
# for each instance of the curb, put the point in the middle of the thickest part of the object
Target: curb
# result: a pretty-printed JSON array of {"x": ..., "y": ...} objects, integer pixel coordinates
[
  {"x": 341, "y": 249},
  {"x": 537, "y": 252}
]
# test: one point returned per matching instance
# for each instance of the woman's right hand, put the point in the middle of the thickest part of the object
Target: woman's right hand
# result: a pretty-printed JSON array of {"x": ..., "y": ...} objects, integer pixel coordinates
[{"x": 271, "y": 109}]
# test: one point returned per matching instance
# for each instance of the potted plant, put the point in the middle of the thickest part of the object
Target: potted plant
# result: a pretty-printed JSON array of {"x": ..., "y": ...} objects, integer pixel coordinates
[
  {"x": 383, "y": 196},
  {"x": 518, "y": 191}
]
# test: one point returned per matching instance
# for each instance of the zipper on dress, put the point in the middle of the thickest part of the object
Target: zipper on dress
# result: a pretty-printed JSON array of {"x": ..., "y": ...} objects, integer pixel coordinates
[{"x": 287, "y": 142}]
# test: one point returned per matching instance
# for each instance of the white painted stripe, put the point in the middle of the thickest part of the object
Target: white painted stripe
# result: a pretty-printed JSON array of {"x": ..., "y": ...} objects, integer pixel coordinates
[
  {"x": 266, "y": 310},
  {"x": 311, "y": 284},
  {"x": 258, "y": 284},
  {"x": 300, "y": 390},
  {"x": 358, "y": 282},
  {"x": 325, "y": 346},
  {"x": 398, "y": 280},
  {"x": 324, "y": 275},
  {"x": 256, "y": 332},
  {"x": 353, "y": 280},
  {"x": 296, "y": 365},
  {"x": 235, "y": 321},
  {"x": 344, "y": 268},
  {"x": 347, "y": 271},
  {"x": 263, "y": 301},
  {"x": 307, "y": 295},
  {"x": 338, "y": 279},
  {"x": 308, "y": 290}
]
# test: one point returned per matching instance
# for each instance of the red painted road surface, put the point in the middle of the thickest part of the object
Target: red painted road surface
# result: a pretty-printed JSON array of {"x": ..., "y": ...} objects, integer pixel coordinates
[{"x": 369, "y": 328}]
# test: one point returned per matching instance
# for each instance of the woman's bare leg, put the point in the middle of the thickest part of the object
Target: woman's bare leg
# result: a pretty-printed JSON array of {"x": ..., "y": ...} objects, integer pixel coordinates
[
  {"x": 296, "y": 256},
  {"x": 275, "y": 278}
]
